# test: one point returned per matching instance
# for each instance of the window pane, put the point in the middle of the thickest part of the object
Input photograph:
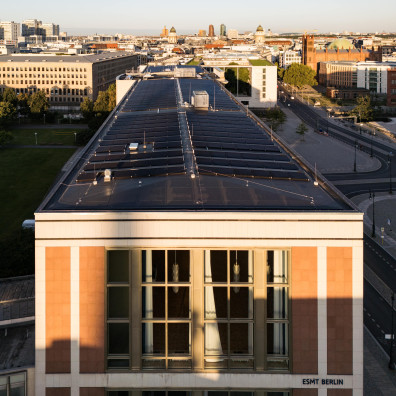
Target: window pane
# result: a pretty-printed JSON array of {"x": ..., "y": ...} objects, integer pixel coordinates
[
  {"x": 153, "y": 266},
  {"x": 153, "y": 338},
  {"x": 277, "y": 266},
  {"x": 118, "y": 266},
  {"x": 118, "y": 363},
  {"x": 118, "y": 302},
  {"x": 17, "y": 378},
  {"x": 3, "y": 390},
  {"x": 153, "y": 393},
  {"x": 215, "y": 266},
  {"x": 178, "y": 302},
  {"x": 178, "y": 338},
  {"x": 241, "y": 268},
  {"x": 277, "y": 338},
  {"x": 241, "y": 302},
  {"x": 241, "y": 338},
  {"x": 277, "y": 302},
  {"x": 178, "y": 266},
  {"x": 153, "y": 302},
  {"x": 216, "y": 336},
  {"x": 17, "y": 390},
  {"x": 215, "y": 302},
  {"x": 118, "y": 335}
]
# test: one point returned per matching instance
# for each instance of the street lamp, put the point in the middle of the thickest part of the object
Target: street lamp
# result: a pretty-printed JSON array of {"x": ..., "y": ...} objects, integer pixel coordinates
[
  {"x": 354, "y": 163},
  {"x": 371, "y": 146},
  {"x": 372, "y": 195},
  {"x": 75, "y": 137},
  {"x": 390, "y": 172},
  {"x": 35, "y": 134},
  {"x": 392, "y": 364}
]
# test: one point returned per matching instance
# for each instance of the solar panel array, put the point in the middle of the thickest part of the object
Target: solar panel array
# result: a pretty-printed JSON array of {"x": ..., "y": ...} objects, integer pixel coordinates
[
  {"x": 218, "y": 99},
  {"x": 152, "y": 95},
  {"x": 225, "y": 141},
  {"x": 158, "y": 132},
  {"x": 229, "y": 143},
  {"x": 158, "y": 69}
]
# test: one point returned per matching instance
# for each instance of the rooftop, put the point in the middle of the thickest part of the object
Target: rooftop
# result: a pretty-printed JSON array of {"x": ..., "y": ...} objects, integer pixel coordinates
[
  {"x": 260, "y": 62},
  {"x": 92, "y": 58},
  {"x": 157, "y": 152}
]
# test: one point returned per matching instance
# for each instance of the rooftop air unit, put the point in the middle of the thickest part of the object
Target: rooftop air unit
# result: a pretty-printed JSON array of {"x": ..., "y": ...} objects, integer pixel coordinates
[{"x": 200, "y": 100}]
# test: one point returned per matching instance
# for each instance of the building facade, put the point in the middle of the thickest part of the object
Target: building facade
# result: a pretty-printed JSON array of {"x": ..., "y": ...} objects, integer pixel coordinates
[
  {"x": 9, "y": 31},
  {"x": 186, "y": 251},
  {"x": 288, "y": 57},
  {"x": 211, "y": 31},
  {"x": 66, "y": 80},
  {"x": 391, "y": 89}
]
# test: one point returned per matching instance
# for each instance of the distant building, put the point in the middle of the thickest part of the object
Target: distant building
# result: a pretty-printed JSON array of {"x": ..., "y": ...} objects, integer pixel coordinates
[
  {"x": 232, "y": 34},
  {"x": 30, "y": 27},
  {"x": 336, "y": 52},
  {"x": 66, "y": 80},
  {"x": 202, "y": 33},
  {"x": 165, "y": 32},
  {"x": 288, "y": 57},
  {"x": 391, "y": 91},
  {"x": 259, "y": 37},
  {"x": 223, "y": 30},
  {"x": 211, "y": 31},
  {"x": 172, "y": 38},
  {"x": 9, "y": 31}
]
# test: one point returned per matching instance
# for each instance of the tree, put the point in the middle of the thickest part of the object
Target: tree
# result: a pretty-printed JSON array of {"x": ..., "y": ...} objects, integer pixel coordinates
[
  {"x": 7, "y": 112},
  {"x": 87, "y": 107},
  {"x": 301, "y": 130},
  {"x": 22, "y": 104},
  {"x": 276, "y": 117},
  {"x": 38, "y": 102},
  {"x": 106, "y": 100},
  {"x": 5, "y": 137},
  {"x": 299, "y": 75},
  {"x": 363, "y": 109},
  {"x": 10, "y": 96}
]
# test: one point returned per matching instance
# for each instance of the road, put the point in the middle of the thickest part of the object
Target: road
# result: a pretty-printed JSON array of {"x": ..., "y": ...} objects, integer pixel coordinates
[{"x": 377, "y": 312}]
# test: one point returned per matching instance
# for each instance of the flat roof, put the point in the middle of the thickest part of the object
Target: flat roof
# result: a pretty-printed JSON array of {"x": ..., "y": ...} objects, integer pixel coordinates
[
  {"x": 91, "y": 58},
  {"x": 187, "y": 159}
]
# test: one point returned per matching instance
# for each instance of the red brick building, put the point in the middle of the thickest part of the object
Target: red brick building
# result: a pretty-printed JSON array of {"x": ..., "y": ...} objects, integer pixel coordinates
[{"x": 311, "y": 56}]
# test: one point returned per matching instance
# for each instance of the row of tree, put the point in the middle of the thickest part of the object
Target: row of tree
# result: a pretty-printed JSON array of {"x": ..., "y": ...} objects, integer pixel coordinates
[
  {"x": 298, "y": 75},
  {"x": 11, "y": 104}
]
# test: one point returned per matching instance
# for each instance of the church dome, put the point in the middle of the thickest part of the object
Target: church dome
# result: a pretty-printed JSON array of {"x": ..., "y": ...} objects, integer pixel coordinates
[
  {"x": 340, "y": 44},
  {"x": 173, "y": 30},
  {"x": 259, "y": 29}
]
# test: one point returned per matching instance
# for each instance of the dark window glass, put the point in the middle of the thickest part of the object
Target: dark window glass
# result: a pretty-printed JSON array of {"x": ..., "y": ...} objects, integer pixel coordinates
[
  {"x": 178, "y": 338},
  {"x": 218, "y": 295},
  {"x": 239, "y": 266},
  {"x": 239, "y": 338},
  {"x": 277, "y": 302},
  {"x": 178, "y": 302},
  {"x": 218, "y": 266},
  {"x": 153, "y": 268},
  {"x": 153, "y": 338},
  {"x": 118, "y": 363},
  {"x": 178, "y": 266},
  {"x": 118, "y": 335},
  {"x": 277, "y": 338},
  {"x": 153, "y": 302},
  {"x": 241, "y": 302},
  {"x": 118, "y": 302},
  {"x": 118, "y": 266}
]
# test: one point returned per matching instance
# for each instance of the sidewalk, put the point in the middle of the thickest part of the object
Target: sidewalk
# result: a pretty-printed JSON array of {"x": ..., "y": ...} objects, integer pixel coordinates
[{"x": 329, "y": 155}]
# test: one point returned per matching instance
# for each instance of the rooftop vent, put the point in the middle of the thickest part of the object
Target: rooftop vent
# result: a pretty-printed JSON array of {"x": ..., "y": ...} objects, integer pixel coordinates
[
  {"x": 200, "y": 100},
  {"x": 107, "y": 175},
  {"x": 133, "y": 146}
]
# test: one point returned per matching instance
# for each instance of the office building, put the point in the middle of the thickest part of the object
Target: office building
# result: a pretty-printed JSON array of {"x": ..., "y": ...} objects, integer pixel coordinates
[
  {"x": 202, "y": 33},
  {"x": 66, "y": 80},
  {"x": 187, "y": 251},
  {"x": 391, "y": 89},
  {"x": 30, "y": 27},
  {"x": 223, "y": 30},
  {"x": 211, "y": 31},
  {"x": 232, "y": 34},
  {"x": 9, "y": 31},
  {"x": 286, "y": 58}
]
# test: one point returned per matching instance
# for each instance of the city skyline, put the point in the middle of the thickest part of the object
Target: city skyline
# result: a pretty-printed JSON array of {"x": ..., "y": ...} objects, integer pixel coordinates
[{"x": 102, "y": 17}]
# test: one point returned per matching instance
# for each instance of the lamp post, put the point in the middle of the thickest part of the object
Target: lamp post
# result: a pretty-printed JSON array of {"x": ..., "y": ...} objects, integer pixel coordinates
[
  {"x": 35, "y": 134},
  {"x": 371, "y": 147},
  {"x": 390, "y": 172},
  {"x": 354, "y": 163},
  {"x": 75, "y": 137},
  {"x": 372, "y": 195},
  {"x": 392, "y": 364}
]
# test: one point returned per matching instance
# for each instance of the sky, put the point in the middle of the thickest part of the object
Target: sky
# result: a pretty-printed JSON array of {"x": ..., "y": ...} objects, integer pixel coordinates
[{"x": 149, "y": 16}]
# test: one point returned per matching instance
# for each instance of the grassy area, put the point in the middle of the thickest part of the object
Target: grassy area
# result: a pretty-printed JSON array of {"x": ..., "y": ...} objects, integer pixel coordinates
[
  {"x": 25, "y": 177},
  {"x": 44, "y": 136},
  {"x": 194, "y": 62},
  {"x": 260, "y": 62}
]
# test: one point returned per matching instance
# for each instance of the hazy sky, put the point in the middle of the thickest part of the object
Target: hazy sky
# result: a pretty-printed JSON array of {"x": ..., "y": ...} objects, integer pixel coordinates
[{"x": 149, "y": 16}]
